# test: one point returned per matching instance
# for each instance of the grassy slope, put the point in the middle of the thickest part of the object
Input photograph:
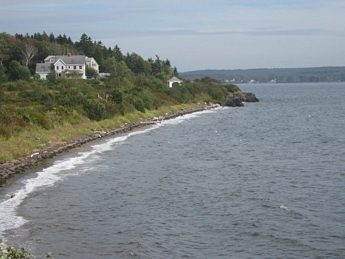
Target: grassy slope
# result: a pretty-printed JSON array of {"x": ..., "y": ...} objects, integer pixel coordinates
[{"x": 35, "y": 137}]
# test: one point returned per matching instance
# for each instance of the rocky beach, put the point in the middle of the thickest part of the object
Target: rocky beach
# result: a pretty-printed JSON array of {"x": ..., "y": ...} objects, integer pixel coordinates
[{"x": 21, "y": 165}]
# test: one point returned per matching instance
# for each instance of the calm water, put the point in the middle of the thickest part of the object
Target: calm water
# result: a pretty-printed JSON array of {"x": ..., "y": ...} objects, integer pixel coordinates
[{"x": 262, "y": 181}]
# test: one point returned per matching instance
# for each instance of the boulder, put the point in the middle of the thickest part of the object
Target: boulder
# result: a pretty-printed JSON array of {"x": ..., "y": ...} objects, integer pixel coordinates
[
  {"x": 250, "y": 97},
  {"x": 237, "y": 99}
]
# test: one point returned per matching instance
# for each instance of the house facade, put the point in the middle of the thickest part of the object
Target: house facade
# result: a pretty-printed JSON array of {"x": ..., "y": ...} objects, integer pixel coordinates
[
  {"x": 65, "y": 65},
  {"x": 174, "y": 80}
]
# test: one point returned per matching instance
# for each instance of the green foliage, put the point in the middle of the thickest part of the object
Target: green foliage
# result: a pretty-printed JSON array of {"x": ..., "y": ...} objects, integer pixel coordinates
[
  {"x": 17, "y": 71},
  {"x": 51, "y": 77},
  {"x": 134, "y": 85},
  {"x": 116, "y": 96},
  {"x": 94, "y": 109},
  {"x": 3, "y": 76},
  {"x": 139, "y": 104},
  {"x": 10, "y": 252},
  {"x": 136, "y": 63},
  {"x": 90, "y": 72},
  {"x": 232, "y": 88}
]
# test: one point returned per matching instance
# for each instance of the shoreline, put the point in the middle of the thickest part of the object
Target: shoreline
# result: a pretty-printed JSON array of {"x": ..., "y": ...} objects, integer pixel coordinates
[{"x": 21, "y": 165}]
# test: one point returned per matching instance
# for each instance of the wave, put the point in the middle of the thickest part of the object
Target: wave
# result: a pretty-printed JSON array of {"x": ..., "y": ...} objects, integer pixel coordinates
[{"x": 61, "y": 169}]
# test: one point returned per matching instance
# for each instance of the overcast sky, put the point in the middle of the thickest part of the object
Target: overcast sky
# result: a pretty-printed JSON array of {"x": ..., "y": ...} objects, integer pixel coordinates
[{"x": 196, "y": 34}]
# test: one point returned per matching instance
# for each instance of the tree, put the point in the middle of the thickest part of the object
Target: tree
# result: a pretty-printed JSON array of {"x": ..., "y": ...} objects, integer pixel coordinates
[
  {"x": 94, "y": 109},
  {"x": 116, "y": 96},
  {"x": 29, "y": 51},
  {"x": 90, "y": 72},
  {"x": 118, "y": 54},
  {"x": 85, "y": 44},
  {"x": 3, "y": 77},
  {"x": 51, "y": 77},
  {"x": 135, "y": 63},
  {"x": 4, "y": 48},
  {"x": 17, "y": 71}
]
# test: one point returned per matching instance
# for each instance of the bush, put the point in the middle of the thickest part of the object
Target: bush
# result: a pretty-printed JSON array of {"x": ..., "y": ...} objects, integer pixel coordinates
[
  {"x": 40, "y": 119},
  {"x": 232, "y": 88},
  {"x": 94, "y": 109},
  {"x": 139, "y": 104},
  {"x": 17, "y": 71},
  {"x": 10, "y": 252},
  {"x": 116, "y": 96}
]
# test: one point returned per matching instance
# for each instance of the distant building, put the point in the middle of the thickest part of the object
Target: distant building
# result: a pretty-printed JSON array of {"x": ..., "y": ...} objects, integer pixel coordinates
[
  {"x": 66, "y": 64},
  {"x": 174, "y": 80}
]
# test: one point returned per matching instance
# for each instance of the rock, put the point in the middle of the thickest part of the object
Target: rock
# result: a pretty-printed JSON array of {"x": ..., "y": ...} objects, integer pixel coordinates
[
  {"x": 237, "y": 99},
  {"x": 250, "y": 97}
]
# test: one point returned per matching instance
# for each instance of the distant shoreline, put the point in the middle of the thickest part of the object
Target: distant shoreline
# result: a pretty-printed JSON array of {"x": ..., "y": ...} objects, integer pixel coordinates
[{"x": 328, "y": 74}]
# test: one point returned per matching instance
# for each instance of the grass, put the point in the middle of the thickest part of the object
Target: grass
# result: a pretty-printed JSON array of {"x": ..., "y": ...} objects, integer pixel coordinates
[{"x": 34, "y": 137}]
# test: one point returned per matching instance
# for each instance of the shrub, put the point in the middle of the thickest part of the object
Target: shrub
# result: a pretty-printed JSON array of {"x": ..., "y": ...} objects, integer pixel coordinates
[
  {"x": 94, "y": 109},
  {"x": 40, "y": 119},
  {"x": 116, "y": 96},
  {"x": 139, "y": 104},
  {"x": 232, "y": 88},
  {"x": 17, "y": 71},
  {"x": 10, "y": 252},
  {"x": 5, "y": 132}
]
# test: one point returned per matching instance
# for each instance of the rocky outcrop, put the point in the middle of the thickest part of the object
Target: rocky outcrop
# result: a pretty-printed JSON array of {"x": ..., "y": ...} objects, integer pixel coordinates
[
  {"x": 249, "y": 97},
  {"x": 237, "y": 99}
]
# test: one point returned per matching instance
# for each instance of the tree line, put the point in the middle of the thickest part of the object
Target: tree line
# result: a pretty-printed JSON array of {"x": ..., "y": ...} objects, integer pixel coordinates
[
  {"x": 278, "y": 75},
  {"x": 27, "y": 50},
  {"x": 134, "y": 84}
]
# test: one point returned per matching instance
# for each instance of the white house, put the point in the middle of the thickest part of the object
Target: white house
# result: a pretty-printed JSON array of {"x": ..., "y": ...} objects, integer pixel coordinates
[
  {"x": 67, "y": 63},
  {"x": 91, "y": 62},
  {"x": 174, "y": 80}
]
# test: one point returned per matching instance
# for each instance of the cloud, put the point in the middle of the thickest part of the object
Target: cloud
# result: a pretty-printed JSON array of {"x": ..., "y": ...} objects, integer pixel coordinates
[{"x": 184, "y": 29}]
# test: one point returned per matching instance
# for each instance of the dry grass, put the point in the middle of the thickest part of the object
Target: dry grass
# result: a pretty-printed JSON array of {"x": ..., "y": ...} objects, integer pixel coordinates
[{"x": 35, "y": 137}]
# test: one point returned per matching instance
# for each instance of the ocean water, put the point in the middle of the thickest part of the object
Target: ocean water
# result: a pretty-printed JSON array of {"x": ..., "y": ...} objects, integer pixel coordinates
[{"x": 261, "y": 181}]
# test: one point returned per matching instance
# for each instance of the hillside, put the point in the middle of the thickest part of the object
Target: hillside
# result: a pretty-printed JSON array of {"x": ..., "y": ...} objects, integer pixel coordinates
[
  {"x": 278, "y": 75},
  {"x": 38, "y": 113}
]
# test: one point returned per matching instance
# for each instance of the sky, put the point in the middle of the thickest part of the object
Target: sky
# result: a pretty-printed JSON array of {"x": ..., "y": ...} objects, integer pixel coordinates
[{"x": 196, "y": 34}]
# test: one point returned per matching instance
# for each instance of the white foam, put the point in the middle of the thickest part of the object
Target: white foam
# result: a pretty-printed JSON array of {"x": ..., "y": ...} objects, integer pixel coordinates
[
  {"x": 49, "y": 176},
  {"x": 284, "y": 207}
]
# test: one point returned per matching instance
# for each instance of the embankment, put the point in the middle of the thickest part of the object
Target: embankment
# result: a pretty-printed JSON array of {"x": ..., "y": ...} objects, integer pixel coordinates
[{"x": 20, "y": 165}]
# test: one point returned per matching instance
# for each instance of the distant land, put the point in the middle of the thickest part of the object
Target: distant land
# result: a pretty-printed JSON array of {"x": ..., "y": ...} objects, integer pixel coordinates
[{"x": 272, "y": 75}]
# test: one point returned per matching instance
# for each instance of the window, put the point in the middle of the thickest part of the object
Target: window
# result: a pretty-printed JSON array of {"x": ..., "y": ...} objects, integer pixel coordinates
[
  {"x": 57, "y": 67},
  {"x": 80, "y": 67},
  {"x": 74, "y": 67},
  {"x": 61, "y": 67}
]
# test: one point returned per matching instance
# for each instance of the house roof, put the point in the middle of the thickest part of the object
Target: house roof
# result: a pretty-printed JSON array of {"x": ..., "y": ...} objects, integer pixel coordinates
[
  {"x": 69, "y": 60},
  {"x": 43, "y": 67},
  {"x": 64, "y": 63},
  {"x": 175, "y": 79}
]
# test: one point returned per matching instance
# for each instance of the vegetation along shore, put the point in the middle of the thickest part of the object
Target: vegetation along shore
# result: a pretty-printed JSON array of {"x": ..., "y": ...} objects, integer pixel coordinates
[{"x": 49, "y": 103}]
